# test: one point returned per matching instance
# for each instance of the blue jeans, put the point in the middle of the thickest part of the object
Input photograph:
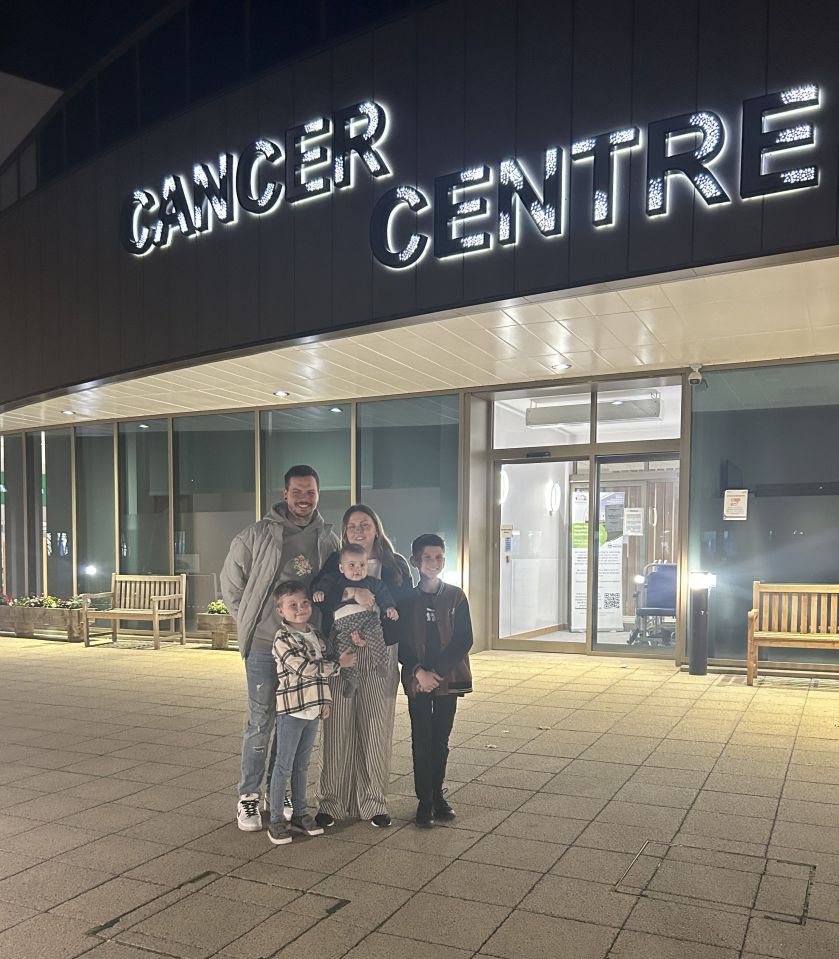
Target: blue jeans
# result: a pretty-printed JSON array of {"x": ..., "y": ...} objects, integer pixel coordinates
[
  {"x": 295, "y": 740},
  {"x": 261, "y": 672}
]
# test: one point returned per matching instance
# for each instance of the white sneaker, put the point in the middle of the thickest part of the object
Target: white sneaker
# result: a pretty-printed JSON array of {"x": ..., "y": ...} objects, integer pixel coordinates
[{"x": 247, "y": 813}]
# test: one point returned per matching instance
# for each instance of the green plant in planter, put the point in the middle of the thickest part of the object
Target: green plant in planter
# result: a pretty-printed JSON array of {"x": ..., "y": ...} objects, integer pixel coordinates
[{"x": 218, "y": 608}]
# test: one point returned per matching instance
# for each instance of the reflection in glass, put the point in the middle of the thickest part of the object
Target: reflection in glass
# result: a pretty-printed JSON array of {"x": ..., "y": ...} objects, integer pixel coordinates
[
  {"x": 143, "y": 497},
  {"x": 13, "y": 533},
  {"x": 544, "y": 540},
  {"x": 59, "y": 512},
  {"x": 408, "y": 468},
  {"x": 769, "y": 431},
  {"x": 637, "y": 555},
  {"x": 215, "y": 490},
  {"x": 35, "y": 511},
  {"x": 317, "y": 436},
  {"x": 559, "y": 417},
  {"x": 648, "y": 409},
  {"x": 95, "y": 522}
]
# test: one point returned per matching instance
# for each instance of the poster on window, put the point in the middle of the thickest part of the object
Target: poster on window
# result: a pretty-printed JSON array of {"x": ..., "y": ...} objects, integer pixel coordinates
[{"x": 610, "y": 568}]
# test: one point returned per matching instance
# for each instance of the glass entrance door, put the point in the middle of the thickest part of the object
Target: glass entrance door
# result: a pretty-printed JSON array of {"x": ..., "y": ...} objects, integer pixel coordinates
[
  {"x": 636, "y": 550},
  {"x": 541, "y": 585}
]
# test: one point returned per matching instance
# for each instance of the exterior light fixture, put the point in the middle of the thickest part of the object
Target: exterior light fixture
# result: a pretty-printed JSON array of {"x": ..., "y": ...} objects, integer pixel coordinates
[
  {"x": 280, "y": 393},
  {"x": 69, "y": 412},
  {"x": 617, "y": 402},
  {"x": 559, "y": 367}
]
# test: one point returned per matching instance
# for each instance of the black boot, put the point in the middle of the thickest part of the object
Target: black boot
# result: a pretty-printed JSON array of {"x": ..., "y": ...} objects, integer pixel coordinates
[
  {"x": 425, "y": 815},
  {"x": 443, "y": 811}
]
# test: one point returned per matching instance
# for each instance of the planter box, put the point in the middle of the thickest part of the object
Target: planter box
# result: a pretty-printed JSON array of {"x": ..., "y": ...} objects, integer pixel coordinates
[
  {"x": 221, "y": 627},
  {"x": 26, "y": 620}
]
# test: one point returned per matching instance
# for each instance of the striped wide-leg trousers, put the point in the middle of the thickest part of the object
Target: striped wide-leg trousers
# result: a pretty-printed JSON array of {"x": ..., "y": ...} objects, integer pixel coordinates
[{"x": 357, "y": 739}]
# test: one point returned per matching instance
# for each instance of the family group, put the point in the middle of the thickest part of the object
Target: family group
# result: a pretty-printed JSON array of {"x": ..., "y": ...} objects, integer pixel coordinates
[{"x": 323, "y": 627}]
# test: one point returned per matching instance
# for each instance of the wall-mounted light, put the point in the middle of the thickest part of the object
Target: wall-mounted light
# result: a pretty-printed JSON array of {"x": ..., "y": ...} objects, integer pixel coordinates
[{"x": 504, "y": 490}]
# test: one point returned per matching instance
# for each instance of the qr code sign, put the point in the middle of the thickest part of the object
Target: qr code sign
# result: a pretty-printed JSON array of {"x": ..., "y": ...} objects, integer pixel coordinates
[{"x": 611, "y": 600}]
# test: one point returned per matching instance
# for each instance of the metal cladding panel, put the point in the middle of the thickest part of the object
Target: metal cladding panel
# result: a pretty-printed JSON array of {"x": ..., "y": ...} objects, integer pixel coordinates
[
  {"x": 732, "y": 68},
  {"x": 599, "y": 108},
  {"x": 664, "y": 68},
  {"x": 464, "y": 84}
]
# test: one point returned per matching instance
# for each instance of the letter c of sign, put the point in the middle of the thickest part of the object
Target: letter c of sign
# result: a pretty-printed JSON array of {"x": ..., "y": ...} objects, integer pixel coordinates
[
  {"x": 134, "y": 235},
  {"x": 380, "y": 228}
]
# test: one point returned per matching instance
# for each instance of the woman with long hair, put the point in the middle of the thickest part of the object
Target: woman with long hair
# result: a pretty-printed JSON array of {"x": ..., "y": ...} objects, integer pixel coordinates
[{"x": 357, "y": 739}]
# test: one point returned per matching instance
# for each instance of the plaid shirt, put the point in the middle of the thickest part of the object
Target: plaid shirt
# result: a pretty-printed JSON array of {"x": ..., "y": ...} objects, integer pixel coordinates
[{"x": 302, "y": 675}]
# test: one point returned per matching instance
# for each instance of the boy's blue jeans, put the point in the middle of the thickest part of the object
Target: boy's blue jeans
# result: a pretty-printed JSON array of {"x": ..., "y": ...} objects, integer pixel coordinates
[{"x": 295, "y": 741}]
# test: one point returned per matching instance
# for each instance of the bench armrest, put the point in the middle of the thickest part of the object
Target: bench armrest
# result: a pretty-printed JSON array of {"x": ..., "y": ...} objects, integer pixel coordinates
[
  {"x": 87, "y": 597},
  {"x": 158, "y": 599}
]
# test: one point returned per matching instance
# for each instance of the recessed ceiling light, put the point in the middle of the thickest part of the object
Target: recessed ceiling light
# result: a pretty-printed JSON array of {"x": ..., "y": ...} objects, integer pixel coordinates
[
  {"x": 561, "y": 366},
  {"x": 280, "y": 393},
  {"x": 336, "y": 409},
  {"x": 617, "y": 402},
  {"x": 143, "y": 426},
  {"x": 69, "y": 412}
]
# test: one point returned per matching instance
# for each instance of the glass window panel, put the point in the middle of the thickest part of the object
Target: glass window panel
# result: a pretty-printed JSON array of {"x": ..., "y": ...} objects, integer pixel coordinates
[
  {"x": 12, "y": 498},
  {"x": 559, "y": 417},
  {"x": 117, "y": 93},
  {"x": 216, "y": 46},
  {"x": 163, "y": 70},
  {"x": 51, "y": 148},
  {"x": 8, "y": 186},
  {"x": 59, "y": 513},
  {"x": 215, "y": 497},
  {"x": 648, "y": 409},
  {"x": 95, "y": 521},
  {"x": 767, "y": 430},
  {"x": 144, "y": 497},
  {"x": 408, "y": 468},
  {"x": 543, "y": 573},
  {"x": 279, "y": 31},
  {"x": 29, "y": 169},
  {"x": 637, "y": 554},
  {"x": 318, "y": 436},
  {"x": 35, "y": 510},
  {"x": 81, "y": 125}
]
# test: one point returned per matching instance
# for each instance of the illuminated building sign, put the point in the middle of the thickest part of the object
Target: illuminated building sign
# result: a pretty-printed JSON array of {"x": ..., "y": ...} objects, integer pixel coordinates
[{"x": 475, "y": 208}]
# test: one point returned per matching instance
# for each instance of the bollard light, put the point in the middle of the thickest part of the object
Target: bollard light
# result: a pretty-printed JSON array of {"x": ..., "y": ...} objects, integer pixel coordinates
[{"x": 701, "y": 584}]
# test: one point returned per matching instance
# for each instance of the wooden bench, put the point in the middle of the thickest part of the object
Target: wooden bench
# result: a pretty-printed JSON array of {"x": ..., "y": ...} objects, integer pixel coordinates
[
  {"x": 792, "y": 615},
  {"x": 146, "y": 598}
]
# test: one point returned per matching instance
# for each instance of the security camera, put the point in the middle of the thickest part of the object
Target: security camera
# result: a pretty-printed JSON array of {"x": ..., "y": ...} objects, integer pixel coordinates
[{"x": 695, "y": 376}]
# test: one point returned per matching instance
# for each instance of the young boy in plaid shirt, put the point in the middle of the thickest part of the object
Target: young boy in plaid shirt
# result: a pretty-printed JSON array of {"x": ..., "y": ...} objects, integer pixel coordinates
[{"x": 303, "y": 698}]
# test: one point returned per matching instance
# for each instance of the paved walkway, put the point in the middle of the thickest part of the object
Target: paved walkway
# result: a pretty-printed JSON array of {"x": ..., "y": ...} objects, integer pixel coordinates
[{"x": 605, "y": 808}]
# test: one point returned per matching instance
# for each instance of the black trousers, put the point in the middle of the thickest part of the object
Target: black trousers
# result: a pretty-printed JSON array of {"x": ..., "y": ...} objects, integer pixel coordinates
[{"x": 432, "y": 718}]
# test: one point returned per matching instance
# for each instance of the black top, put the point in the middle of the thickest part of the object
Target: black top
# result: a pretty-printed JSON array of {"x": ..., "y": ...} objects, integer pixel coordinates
[{"x": 398, "y": 591}]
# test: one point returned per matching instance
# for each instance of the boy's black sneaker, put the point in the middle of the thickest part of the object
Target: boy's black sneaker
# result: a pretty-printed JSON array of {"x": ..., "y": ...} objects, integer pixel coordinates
[
  {"x": 381, "y": 821},
  {"x": 425, "y": 816},
  {"x": 324, "y": 820},
  {"x": 443, "y": 811}
]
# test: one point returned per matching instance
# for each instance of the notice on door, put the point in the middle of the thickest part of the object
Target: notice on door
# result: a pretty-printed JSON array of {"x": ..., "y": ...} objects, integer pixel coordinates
[
  {"x": 633, "y": 521},
  {"x": 735, "y": 504}
]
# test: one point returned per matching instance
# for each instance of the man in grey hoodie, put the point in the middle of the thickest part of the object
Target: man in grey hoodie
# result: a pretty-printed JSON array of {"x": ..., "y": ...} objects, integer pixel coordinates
[{"x": 291, "y": 542}]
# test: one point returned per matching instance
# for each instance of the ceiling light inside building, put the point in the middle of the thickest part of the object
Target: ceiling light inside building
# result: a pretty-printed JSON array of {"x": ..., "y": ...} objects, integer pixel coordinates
[
  {"x": 336, "y": 409},
  {"x": 143, "y": 426}
]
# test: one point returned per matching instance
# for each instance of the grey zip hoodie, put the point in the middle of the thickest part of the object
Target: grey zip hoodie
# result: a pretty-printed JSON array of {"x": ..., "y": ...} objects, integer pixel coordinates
[{"x": 252, "y": 565}]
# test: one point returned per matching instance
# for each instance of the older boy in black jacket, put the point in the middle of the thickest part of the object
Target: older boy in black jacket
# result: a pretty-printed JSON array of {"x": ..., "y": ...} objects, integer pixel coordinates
[{"x": 434, "y": 644}]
